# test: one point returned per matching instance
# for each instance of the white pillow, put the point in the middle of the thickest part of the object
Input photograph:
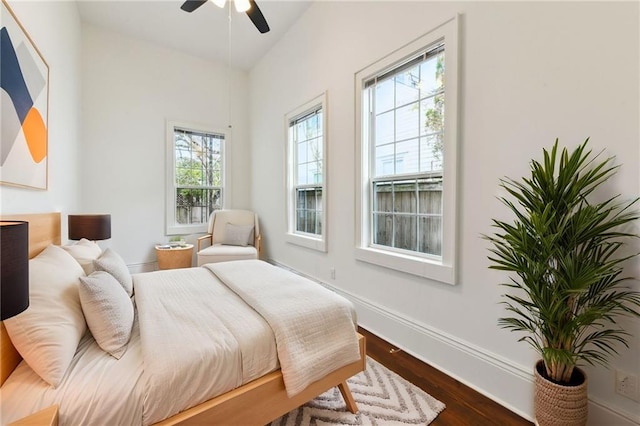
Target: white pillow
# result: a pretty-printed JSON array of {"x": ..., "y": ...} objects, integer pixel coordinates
[
  {"x": 47, "y": 333},
  {"x": 108, "y": 311},
  {"x": 85, "y": 252},
  {"x": 237, "y": 235},
  {"x": 111, "y": 262}
]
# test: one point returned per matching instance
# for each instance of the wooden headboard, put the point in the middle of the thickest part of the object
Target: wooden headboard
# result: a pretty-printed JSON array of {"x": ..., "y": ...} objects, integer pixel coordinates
[{"x": 44, "y": 229}]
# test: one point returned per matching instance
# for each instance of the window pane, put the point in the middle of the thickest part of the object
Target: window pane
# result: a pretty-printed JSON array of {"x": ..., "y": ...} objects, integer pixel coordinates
[
  {"x": 197, "y": 159},
  {"x": 430, "y": 197},
  {"x": 312, "y": 127},
  {"x": 433, "y": 115},
  {"x": 302, "y": 175},
  {"x": 384, "y": 128},
  {"x": 385, "y": 160},
  {"x": 432, "y": 75},
  {"x": 409, "y": 153},
  {"x": 308, "y": 210},
  {"x": 396, "y": 210},
  {"x": 384, "y": 95},
  {"x": 382, "y": 229},
  {"x": 215, "y": 173},
  {"x": 301, "y": 200},
  {"x": 320, "y": 117},
  {"x": 383, "y": 197},
  {"x": 407, "y": 86},
  {"x": 407, "y": 121},
  {"x": 404, "y": 197},
  {"x": 405, "y": 232},
  {"x": 315, "y": 149},
  {"x": 301, "y": 131},
  {"x": 183, "y": 173},
  {"x": 310, "y": 196},
  {"x": 314, "y": 172},
  {"x": 318, "y": 224},
  {"x": 311, "y": 222},
  {"x": 301, "y": 153},
  {"x": 430, "y": 231},
  {"x": 193, "y": 206},
  {"x": 301, "y": 222},
  {"x": 431, "y": 153},
  {"x": 216, "y": 144}
]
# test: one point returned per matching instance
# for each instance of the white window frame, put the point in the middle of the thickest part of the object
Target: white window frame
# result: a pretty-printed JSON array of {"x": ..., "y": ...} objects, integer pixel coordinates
[
  {"x": 312, "y": 241},
  {"x": 443, "y": 268},
  {"x": 171, "y": 227}
]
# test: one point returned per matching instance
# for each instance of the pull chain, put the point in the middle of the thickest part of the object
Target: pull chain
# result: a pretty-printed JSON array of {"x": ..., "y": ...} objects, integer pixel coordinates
[{"x": 229, "y": 67}]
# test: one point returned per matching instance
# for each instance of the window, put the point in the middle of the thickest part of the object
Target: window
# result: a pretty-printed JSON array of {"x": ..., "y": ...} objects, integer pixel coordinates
[
  {"x": 407, "y": 140},
  {"x": 306, "y": 189},
  {"x": 195, "y": 177}
]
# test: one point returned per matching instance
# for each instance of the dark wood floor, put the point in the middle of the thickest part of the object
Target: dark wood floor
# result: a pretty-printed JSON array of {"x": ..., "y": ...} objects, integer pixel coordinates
[{"x": 465, "y": 406}]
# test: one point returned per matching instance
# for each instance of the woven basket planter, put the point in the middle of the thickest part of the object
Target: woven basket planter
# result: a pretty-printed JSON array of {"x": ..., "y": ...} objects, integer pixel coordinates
[{"x": 558, "y": 405}]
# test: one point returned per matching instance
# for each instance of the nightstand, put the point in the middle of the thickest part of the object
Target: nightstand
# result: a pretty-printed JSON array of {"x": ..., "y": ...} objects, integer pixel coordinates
[
  {"x": 46, "y": 417},
  {"x": 174, "y": 257}
]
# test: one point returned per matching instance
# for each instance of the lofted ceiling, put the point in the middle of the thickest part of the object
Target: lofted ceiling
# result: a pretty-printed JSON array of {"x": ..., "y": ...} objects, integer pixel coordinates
[{"x": 203, "y": 33}]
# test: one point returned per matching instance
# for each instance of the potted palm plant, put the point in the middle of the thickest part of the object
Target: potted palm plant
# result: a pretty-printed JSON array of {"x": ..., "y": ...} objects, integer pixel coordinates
[{"x": 568, "y": 289}]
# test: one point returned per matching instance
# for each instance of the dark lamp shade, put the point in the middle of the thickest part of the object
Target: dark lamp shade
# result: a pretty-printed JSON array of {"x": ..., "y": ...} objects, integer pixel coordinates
[
  {"x": 14, "y": 268},
  {"x": 90, "y": 226}
]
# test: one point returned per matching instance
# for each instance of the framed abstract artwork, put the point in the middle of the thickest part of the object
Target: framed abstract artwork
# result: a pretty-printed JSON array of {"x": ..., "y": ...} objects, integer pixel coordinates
[{"x": 24, "y": 80}]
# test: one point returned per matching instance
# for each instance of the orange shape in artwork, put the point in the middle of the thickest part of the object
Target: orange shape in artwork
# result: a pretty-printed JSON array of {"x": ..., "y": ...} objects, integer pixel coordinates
[{"x": 35, "y": 133}]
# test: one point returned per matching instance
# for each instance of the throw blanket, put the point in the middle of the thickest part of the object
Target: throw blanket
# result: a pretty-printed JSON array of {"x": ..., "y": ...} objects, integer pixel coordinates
[{"x": 314, "y": 327}]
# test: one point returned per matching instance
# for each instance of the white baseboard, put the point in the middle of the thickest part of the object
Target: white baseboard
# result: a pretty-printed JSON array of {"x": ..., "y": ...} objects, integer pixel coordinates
[
  {"x": 492, "y": 375},
  {"x": 136, "y": 268},
  {"x": 601, "y": 414}
]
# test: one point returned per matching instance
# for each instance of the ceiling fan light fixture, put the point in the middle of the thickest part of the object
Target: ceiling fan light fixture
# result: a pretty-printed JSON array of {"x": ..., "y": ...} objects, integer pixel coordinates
[
  {"x": 242, "y": 5},
  {"x": 249, "y": 6}
]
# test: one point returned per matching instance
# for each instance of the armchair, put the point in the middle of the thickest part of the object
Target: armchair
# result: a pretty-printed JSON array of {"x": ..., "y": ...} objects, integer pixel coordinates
[{"x": 232, "y": 235}]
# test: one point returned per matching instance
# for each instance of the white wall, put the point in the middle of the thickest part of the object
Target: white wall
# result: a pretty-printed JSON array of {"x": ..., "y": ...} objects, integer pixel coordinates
[
  {"x": 54, "y": 28},
  {"x": 130, "y": 89},
  {"x": 530, "y": 72}
]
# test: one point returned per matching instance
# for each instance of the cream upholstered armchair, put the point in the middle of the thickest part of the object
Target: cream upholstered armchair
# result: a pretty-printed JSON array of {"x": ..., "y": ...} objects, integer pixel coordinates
[{"x": 232, "y": 235}]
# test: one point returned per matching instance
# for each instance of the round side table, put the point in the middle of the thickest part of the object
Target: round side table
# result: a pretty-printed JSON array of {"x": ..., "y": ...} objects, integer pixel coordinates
[{"x": 174, "y": 257}]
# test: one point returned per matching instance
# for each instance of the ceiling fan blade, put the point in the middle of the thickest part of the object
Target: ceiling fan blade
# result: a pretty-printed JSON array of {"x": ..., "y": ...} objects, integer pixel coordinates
[
  {"x": 191, "y": 5},
  {"x": 257, "y": 17}
]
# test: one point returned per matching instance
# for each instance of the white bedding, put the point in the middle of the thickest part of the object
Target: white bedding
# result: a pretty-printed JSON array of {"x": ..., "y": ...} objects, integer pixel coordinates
[
  {"x": 188, "y": 315},
  {"x": 199, "y": 339},
  {"x": 96, "y": 386},
  {"x": 183, "y": 316}
]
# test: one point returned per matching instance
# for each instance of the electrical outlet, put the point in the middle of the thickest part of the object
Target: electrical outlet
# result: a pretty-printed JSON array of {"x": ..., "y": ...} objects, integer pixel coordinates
[
  {"x": 627, "y": 385},
  {"x": 332, "y": 271}
]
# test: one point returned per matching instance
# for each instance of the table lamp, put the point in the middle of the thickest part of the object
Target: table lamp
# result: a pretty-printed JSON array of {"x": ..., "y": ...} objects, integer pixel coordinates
[
  {"x": 93, "y": 227},
  {"x": 14, "y": 268}
]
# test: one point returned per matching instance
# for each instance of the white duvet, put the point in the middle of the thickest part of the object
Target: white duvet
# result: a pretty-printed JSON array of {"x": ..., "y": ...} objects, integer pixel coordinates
[
  {"x": 194, "y": 338},
  {"x": 199, "y": 339},
  {"x": 96, "y": 386}
]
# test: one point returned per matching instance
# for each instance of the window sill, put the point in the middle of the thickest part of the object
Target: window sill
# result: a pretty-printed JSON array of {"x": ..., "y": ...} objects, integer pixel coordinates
[
  {"x": 318, "y": 244},
  {"x": 186, "y": 229},
  {"x": 414, "y": 265}
]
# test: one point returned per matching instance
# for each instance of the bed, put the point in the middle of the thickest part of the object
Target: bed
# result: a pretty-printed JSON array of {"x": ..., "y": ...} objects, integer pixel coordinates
[{"x": 264, "y": 389}]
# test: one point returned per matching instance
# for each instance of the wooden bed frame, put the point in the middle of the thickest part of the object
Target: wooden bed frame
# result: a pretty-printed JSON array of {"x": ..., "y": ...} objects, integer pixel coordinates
[{"x": 255, "y": 403}]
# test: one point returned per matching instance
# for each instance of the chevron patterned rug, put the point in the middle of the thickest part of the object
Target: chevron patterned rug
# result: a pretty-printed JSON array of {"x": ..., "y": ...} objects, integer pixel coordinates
[{"x": 383, "y": 398}]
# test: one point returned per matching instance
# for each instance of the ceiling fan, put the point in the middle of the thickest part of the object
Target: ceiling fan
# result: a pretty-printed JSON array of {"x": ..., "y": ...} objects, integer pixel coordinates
[{"x": 248, "y": 6}]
